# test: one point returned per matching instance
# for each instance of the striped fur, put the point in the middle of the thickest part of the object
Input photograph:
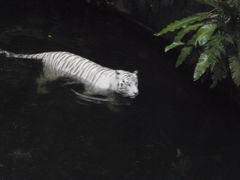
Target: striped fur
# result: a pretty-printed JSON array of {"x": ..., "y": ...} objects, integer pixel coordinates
[{"x": 95, "y": 78}]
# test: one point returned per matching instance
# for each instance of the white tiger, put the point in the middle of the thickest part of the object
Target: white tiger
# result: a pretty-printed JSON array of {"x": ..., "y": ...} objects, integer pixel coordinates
[{"x": 97, "y": 80}]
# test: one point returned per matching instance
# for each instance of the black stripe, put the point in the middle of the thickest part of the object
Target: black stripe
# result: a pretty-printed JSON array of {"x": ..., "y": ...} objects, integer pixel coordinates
[
  {"x": 93, "y": 72},
  {"x": 73, "y": 63},
  {"x": 84, "y": 69},
  {"x": 68, "y": 60},
  {"x": 42, "y": 55},
  {"x": 54, "y": 54},
  {"x": 51, "y": 55},
  {"x": 99, "y": 69},
  {"x": 26, "y": 56},
  {"x": 65, "y": 60},
  {"x": 79, "y": 64},
  {"x": 80, "y": 67},
  {"x": 112, "y": 73},
  {"x": 51, "y": 61},
  {"x": 71, "y": 69},
  {"x": 104, "y": 70},
  {"x": 59, "y": 54},
  {"x": 54, "y": 61},
  {"x": 58, "y": 60},
  {"x": 90, "y": 70},
  {"x": 37, "y": 56},
  {"x": 47, "y": 59}
]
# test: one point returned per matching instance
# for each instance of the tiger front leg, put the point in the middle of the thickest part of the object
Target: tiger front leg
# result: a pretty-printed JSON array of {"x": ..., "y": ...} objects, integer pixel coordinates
[{"x": 88, "y": 91}]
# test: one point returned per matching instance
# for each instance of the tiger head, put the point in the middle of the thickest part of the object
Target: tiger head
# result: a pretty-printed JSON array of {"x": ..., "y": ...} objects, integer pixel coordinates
[{"x": 127, "y": 83}]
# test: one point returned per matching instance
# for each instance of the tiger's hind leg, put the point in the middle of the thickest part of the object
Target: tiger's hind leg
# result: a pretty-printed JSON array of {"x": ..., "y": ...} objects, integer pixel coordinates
[
  {"x": 43, "y": 79},
  {"x": 41, "y": 84}
]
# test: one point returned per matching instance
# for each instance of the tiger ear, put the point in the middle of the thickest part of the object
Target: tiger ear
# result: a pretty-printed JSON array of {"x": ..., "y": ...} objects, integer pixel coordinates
[
  {"x": 135, "y": 72},
  {"x": 117, "y": 72}
]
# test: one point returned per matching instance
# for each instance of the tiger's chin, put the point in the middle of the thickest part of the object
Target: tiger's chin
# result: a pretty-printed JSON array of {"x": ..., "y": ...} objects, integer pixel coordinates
[
  {"x": 133, "y": 97},
  {"x": 129, "y": 96}
]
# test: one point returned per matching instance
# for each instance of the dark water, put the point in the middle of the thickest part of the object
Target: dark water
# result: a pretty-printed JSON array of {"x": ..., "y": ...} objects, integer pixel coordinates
[{"x": 173, "y": 130}]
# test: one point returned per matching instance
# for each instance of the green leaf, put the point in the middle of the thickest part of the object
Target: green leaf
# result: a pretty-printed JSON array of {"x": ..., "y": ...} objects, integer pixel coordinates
[
  {"x": 177, "y": 41},
  {"x": 185, "y": 52},
  {"x": 182, "y": 23},
  {"x": 202, "y": 65},
  {"x": 202, "y": 36},
  {"x": 186, "y": 30},
  {"x": 173, "y": 45},
  {"x": 213, "y": 52},
  {"x": 234, "y": 65}
]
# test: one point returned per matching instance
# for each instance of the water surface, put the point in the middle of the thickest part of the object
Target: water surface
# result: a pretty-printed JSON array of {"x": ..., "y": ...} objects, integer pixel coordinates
[{"x": 174, "y": 129}]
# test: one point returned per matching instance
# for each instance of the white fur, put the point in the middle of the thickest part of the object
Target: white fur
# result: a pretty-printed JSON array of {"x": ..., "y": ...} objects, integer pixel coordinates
[{"x": 65, "y": 64}]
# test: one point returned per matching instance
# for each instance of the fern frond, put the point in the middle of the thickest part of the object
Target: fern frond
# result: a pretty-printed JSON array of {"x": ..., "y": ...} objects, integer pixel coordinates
[
  {"x": 213, "y": 52},
  {"x": 173, "y": 45},
  {"x": 185, "y": 52},
  {"x": 203, "y": 64},
  {"x": 234, "y": 65},
  {"x": 186, "y": 30},
  {"x": 202, "y": 36},
  {"x": 178, "y": 38},
  {"x": 182, "y": 23}
]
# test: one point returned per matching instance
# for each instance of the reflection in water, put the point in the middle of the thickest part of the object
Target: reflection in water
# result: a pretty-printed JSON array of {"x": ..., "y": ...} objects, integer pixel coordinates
[
  {"x": 88, "y": 98},
  {"x": 114, "y": 100},
  {"x": 112, "y": 103}
]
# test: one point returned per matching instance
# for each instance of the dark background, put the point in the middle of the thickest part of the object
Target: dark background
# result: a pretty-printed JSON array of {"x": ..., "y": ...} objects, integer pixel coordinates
[{"x": 176, "y": 129}]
